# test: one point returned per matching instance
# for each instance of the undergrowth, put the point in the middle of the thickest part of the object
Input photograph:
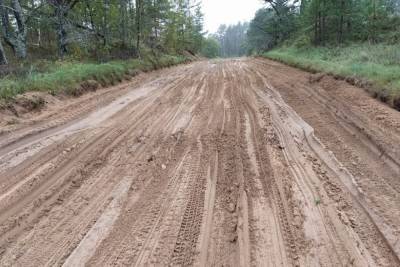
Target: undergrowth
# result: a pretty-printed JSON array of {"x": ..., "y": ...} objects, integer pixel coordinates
[
  {"x": 377, "y": 65},
  {"x": 69, "y": 76}
]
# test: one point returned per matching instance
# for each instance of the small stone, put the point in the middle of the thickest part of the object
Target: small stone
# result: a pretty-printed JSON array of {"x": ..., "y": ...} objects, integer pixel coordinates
[
  {"x": 231, "y": 207},
  {"x": 233, "y": 238},
  {"x": 151, "y": 158},
  {"x": 231, "y": 189},
  {"x": 163, "y": 167}
]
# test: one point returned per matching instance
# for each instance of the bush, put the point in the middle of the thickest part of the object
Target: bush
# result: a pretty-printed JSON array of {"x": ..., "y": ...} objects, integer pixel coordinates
[{"x": 302, "y": 41}]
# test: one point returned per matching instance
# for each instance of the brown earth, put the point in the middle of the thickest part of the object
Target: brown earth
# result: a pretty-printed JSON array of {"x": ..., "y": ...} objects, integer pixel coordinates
[{"x": 242, "y": 162}]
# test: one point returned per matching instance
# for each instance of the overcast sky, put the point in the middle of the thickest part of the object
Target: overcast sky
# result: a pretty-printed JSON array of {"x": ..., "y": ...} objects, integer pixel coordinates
[{"x": 217, "y": 12}]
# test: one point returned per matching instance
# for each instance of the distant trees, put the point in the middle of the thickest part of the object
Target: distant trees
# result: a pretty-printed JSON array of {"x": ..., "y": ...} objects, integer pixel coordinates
[
  {"x": 339, "y": 21},
  {"x": 232, "y": 39},
  {"x": 102, "y": 28},
  {"x": 322, "y": 22},
  {"x": 211, "y": 48}
]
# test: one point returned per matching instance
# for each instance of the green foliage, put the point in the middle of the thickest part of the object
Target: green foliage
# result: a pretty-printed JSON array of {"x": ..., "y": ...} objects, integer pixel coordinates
[
  {"x": 353, "y": 39},
  {"x": 324, "y": 22},
  {"x": 102, "y": 30},
  {"x": 211, "y": 48},
  {"x": 347, "y": 20},
  {"x": 378, "y": 64},
  {"x": 303, "y": 41},
  {"x": 260, "y": 33},
  {"x": 232, "y": 39},
  {"x": 272, "y": 25},
  {"x": 98, "y": 41},
  {"x": 184, "y": 27}
]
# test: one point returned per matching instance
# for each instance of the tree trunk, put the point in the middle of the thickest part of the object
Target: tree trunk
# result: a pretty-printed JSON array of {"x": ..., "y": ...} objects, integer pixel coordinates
[
  {"x": 341, "y": 22},
  {"x": 320, "y": 27},
  {"x": 138, "y": 24},
  {"x": 374, "y": 23},
  {"x": 323, "y": 29},
  {"x": 61, "y": 30},
  {"x": 106, "y": 30},
  {"x": 156, "y": 25},
  {"x": 131, "y": 21},
  {"x": 22, "y": 30},
  {"x": 15, "y": 38},
  {"x": 35, "y": 26},
  {"x": 317, "y": 24},
  {"x": 3, "y": 58},
  {"x": 5, "y": 22},
  {"x": 316, "y": 39},
  {"x": 123, "y": 21}
]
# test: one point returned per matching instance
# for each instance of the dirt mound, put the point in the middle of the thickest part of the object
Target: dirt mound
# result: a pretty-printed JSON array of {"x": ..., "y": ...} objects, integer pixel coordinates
[
  {"x": 84, "y": 87},
  {"x": 28, "y": 102}
]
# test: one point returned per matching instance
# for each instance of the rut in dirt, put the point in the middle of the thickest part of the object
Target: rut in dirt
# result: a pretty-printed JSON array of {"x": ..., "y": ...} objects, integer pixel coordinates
[{"x": 239, "y": 162}]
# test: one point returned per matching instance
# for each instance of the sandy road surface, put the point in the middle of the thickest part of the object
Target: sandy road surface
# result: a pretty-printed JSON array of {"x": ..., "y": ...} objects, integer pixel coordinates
[{"x": 223, "y": 163}]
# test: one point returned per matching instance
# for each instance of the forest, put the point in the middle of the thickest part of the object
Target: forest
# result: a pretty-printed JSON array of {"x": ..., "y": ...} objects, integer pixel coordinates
[
  {"x": 109, "y": 28},
  {"x": 311, "y": 23},
  {"x": 356, "y": 40},
  {"x": 48, "y": 43},
  {"x": 45, "y": 43},
  {"x": 323, "y": 22}
]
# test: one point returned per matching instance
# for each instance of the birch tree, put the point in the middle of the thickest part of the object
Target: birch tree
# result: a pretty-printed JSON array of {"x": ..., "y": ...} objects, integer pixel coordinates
[
  {"x": 61, "y": 9},
  {"x": 14, "y": 34}
]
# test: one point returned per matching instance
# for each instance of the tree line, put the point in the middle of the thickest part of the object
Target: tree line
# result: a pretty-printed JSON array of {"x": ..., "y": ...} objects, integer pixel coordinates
[
  {"x": 98, "y": 28},
  {"x": 324, "y": 22},
  {"x": 228, "y": 41}
]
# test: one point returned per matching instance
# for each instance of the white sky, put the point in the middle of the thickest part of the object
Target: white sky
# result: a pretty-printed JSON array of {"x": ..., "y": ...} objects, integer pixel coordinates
[{"x": 217, "y": 12}]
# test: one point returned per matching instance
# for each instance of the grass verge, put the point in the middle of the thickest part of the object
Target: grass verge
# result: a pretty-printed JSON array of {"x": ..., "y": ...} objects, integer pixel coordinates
[
  {"x": 373, "y": 67},
  {"x": 74, "y": 77}
]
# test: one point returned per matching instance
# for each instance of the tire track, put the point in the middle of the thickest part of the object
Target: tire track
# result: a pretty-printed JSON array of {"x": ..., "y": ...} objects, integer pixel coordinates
[{"x": 206, "y": 166}]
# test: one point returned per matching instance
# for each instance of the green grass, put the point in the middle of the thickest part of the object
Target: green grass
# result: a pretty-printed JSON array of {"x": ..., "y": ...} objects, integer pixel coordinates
[
  {"x": 378, "y": 65},
  {"x": 66, "y": 77}
]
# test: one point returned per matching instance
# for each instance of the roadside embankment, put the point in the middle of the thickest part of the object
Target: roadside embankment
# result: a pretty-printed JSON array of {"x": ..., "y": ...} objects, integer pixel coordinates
[
  {"x": 72, "y": 78},
  {"x": 375, "y": 68}
]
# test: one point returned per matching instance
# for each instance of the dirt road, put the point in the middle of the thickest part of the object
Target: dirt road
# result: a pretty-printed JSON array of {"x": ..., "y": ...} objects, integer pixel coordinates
[{"x": 241, "y": 162}]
